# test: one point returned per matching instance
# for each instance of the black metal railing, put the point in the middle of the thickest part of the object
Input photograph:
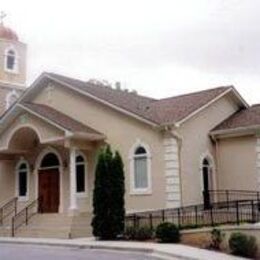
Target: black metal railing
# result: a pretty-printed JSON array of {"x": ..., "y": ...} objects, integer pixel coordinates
[
  {"x": 220, "y": 213},
  {"x": 8, "y": 209},
  {"x": 213, "y": 196},
  {"x": 23, "y": 216}
]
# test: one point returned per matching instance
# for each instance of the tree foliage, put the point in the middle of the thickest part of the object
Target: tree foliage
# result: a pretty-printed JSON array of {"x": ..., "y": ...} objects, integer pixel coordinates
[{"x": 108, "y": 197}]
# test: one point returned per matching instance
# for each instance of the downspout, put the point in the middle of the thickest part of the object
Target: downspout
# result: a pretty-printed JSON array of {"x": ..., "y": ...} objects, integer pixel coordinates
[
  {"x": 217, "y": 163},
  {"x": 178, "y": 137},
  {"x": 215, "y": 140}
]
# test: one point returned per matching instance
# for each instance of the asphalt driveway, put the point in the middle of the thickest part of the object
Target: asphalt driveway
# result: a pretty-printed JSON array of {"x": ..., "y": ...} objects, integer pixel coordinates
[{"x": 29, "y": 252}]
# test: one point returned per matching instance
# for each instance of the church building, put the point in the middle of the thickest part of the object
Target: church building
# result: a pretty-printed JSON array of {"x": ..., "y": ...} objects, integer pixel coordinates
[{"x": 173, "y": 149}]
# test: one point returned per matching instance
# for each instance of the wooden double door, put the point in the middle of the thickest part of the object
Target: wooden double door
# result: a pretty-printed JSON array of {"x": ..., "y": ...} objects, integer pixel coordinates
[{"x": 49, "y": 190}]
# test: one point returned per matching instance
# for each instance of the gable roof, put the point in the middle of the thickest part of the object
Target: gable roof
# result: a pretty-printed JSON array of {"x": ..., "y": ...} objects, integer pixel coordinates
[
  {"x": 175, "y": 109},
  {"x": 244, "y": 118},
  {"x": 59, "y": 118},
  {"x": 157, "y": 111}
]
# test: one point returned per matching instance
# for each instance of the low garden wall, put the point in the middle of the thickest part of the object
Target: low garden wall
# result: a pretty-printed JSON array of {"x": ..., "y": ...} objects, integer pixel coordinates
[{"x": 202, "y": 237}]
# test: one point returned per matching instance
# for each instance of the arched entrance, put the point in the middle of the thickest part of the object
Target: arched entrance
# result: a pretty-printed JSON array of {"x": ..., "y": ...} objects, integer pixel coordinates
[
  {"x": 49, "y": 183},
  {"x": 207, "y": 181}
]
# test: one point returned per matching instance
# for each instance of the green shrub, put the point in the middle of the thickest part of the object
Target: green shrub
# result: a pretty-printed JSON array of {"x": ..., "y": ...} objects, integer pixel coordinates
[
  {"x": 130, "y": 233},
  {"x": 168, "y": 233},
  {"x": 243, "y": 245},
  {"x": 216, "y": 239},
  {"x": 143, "y": 233},
  {"x": 139, "y": 233}
]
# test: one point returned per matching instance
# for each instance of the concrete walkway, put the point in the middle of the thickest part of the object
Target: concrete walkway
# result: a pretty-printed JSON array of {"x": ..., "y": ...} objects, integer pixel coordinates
[{"x": 163, "y": 251}]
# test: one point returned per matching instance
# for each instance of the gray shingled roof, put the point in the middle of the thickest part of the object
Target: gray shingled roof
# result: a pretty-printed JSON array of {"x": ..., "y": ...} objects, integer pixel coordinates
[
  {"x": 163, "y": 111},
  {"x": 244, "y": 118},
  {"x": 59, "y": 118}
]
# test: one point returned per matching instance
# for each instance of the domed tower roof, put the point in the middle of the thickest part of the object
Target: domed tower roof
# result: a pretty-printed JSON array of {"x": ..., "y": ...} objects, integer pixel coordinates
[{"x": 7, "y": 33}]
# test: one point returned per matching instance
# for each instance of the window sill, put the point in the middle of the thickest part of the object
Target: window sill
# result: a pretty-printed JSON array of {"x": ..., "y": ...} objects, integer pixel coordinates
[
  {"x": 141, "y": 192},
  {"x": 23, "y": 199},
  {"x": 11, "y": 71},
  {"x": 81, "y": 195}
]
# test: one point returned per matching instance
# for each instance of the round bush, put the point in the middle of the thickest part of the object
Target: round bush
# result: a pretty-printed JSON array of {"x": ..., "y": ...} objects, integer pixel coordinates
[
  {"x": 243, "y": 245},
  {"x": 168, "y": 233}
]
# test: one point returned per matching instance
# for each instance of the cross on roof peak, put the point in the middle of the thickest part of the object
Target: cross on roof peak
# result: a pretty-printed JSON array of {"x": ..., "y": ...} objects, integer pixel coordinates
[{"x": 2, "y": 16}]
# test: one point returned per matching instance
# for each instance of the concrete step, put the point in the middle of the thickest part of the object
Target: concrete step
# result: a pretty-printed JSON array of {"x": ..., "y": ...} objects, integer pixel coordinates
[{"x": 57, "y": 226}]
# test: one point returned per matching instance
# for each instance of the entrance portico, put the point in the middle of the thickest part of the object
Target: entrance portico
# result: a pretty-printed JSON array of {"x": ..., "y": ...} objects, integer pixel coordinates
[{"x": 59, "y": 152}]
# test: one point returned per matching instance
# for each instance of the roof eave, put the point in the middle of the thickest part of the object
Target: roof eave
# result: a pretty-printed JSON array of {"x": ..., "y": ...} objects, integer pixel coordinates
[
  {"x": 87, "y": 136},
  {"x": 235, "y": 131},
  {"x": 44, "y": 118}
]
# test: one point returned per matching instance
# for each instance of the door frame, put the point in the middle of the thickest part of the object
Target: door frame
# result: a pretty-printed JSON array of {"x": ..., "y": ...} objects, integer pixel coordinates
[
  {"x": 207, "y": 155},
  {"x": 45, "y": 170},
  {"x": 60, "y": 170}
]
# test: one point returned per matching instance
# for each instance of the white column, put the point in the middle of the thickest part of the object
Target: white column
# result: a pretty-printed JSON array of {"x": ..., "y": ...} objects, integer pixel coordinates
[{"x": 73, "y": 199}]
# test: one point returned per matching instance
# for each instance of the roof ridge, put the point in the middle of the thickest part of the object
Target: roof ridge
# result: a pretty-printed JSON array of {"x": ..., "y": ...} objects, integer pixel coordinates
[{"x": 89, "y": 84}]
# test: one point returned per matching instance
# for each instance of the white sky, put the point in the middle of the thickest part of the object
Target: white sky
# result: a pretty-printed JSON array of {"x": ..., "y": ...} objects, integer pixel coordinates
[{"x": 158, "y": 47}]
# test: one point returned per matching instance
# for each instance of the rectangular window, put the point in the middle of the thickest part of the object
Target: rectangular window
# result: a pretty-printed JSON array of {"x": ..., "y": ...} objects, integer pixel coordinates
[
  {"x": 80, "y": 177},
  {"x": 141, "y": 178},
  {"x": 22, "y": 183}
]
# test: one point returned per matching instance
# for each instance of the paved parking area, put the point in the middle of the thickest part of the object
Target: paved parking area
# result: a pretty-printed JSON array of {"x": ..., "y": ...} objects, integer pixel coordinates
[{"x": 29, "y": 252}]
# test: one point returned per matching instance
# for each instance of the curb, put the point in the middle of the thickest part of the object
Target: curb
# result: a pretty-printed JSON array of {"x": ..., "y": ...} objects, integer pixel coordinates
[{"x": 152, "y": 251}]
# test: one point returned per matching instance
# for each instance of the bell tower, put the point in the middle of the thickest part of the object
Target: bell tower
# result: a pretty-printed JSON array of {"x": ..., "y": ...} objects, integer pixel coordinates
[
  {"x": 12, "y": 65},
  {"x": 13, "y": 56}
]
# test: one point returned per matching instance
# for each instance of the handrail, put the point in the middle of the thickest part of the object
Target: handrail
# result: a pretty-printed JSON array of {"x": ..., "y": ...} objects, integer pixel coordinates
[
  {"x": 7, "y": 209},
  {"x": 23, "y": 216},
  {"x": 232, "y": 212},
  {"x": 211, "y": 196},
  {"x": 214, "y": 204}
]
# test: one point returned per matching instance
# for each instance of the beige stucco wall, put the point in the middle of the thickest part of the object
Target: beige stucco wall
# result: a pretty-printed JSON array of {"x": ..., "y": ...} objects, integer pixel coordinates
[
  {"x": 196, "y": 143},
  {"x": 237, "y": 163},
  {"x": 122, "y": 133},
  {"x": 7, "y": 181}
]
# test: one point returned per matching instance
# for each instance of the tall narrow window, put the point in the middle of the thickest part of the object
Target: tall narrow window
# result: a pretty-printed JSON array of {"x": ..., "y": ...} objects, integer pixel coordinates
[
  {"x": 141, "y": 176},
  {"x": 22, "y": 187},
  {"x": 80, "y": 174},
  {"x": 10, "y": 60}
]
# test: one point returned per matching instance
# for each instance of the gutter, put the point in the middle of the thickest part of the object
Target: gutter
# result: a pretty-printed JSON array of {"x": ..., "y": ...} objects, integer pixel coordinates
[{"x": 235, "y": 131}]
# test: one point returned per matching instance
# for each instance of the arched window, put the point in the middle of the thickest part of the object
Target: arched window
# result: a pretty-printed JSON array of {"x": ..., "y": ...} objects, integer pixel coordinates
[
  {"x": 11, "y": 60},
  {"x": 10, "y": 63},
  {"x": 81, "y": 169},
  {"x": 140, "y": 163},
  {"x": 50, "y": 160},
  {"x": 22, "y": 172},
  {"x": 140, "y": 170},
  {"x": 207, "y": 171}
]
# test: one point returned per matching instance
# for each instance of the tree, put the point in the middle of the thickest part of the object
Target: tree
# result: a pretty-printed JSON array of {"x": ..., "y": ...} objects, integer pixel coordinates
[
  {"x": 118, "y": 192},
  {"x": 108, "y": 197}
]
